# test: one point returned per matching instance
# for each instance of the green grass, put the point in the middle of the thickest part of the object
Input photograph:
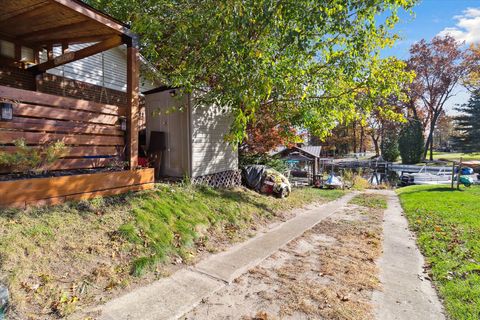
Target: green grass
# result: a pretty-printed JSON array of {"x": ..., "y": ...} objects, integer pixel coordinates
[
  {"x": 451, "y": 156},
  {"x": 447, "y": 224},
  {"x": 168, "y": 221},
  {"x": 374, "y": 201},
  {"x": 57, "y": 259}
]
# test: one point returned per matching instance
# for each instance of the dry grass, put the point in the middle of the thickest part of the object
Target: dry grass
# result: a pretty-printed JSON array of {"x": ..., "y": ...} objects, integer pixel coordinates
[
  {"x": 60, "y": 259},
  {"x": 348, "y": 272},
  {"x": 328, "y": 273}
]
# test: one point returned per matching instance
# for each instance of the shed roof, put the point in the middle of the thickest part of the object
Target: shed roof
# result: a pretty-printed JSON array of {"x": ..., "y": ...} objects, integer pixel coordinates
[
  {"x": 40, "y": 23},
  {"x": 313, "y": 151}
]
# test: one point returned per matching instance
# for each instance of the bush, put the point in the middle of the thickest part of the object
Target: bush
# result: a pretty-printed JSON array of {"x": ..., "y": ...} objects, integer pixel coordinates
[
  {"x": 389, "y": 145},
  {"x": 27, "y": 159},
  {"x": 356, "y": 181},
  {"x": 411, "y": 142}
]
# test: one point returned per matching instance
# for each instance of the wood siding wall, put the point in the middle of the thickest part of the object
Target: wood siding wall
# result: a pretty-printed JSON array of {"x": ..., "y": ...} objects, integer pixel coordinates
[
  {"x": 90, "y": 130},
  {"x": 210, "y": 152},
  {"x": 106, "y": 69}
]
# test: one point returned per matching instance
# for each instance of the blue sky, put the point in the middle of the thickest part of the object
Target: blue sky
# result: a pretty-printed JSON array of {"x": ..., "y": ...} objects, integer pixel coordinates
[{"x": 459, "y": 18}]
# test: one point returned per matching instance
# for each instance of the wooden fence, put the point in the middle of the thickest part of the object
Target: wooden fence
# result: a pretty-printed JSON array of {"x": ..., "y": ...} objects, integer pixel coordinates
[{"x": 91, "y": 131}]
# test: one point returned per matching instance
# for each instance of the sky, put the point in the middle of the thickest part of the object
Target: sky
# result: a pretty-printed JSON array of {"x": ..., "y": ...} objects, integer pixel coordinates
[{"x": 459, "y": 18}]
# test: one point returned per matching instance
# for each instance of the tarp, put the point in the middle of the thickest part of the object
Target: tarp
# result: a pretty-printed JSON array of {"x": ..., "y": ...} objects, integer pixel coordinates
[
  {"x": 253, "y": 176},
  {"x": 266, "y": 180}
]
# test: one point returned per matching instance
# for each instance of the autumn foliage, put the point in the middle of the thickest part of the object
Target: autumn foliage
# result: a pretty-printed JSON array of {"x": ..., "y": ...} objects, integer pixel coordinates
[{"x": 267, "y": 132}]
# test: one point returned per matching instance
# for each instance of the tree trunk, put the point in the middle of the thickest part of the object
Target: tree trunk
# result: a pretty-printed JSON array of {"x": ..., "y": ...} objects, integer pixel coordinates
[
  {"x": 354, "y": 127},
  {"x": 375, "y": 144},
  {"x": 429, "y": 142},
  {"x": 431, "y": 149},
  {"x": 362, "y": 133}
]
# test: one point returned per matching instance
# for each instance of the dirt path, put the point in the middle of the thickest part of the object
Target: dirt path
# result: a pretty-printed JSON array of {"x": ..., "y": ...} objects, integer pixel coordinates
[{"x": 327, "y": 273}]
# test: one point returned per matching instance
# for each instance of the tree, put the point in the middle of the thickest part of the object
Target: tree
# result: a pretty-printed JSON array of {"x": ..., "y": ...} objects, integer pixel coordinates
[
  {"x": 443, "y": 132},
  {"x": 411, "y": 143},
  {"x": 389, "y": 144},
  {"x": 471, "y": 80},
  {"x": 268, "y": 132},
  {"x": 311, "y": 58},
  {"x": 468, "y": 125},
  {"x": 439, "y": 67}
]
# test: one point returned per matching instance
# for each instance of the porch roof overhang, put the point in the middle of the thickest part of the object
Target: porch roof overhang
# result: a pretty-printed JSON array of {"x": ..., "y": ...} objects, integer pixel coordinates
[{"x": 42, "y": 23}]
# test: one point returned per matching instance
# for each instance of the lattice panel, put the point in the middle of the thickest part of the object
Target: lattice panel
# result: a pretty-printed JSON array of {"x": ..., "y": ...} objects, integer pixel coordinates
[{"x": 225, "y": 179}]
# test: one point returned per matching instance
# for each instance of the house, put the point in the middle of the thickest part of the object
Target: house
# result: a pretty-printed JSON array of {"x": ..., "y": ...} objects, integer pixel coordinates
[
  {"x": 84, "y": 70},
  {"x": 101, "y": 77},
  {"x": 48, "y": 93}
]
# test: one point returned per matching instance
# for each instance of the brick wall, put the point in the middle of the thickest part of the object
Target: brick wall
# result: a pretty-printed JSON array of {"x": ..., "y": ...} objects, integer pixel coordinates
[
  {"x": 60, "y": 86},
  {"x": 18, "y": 78}
]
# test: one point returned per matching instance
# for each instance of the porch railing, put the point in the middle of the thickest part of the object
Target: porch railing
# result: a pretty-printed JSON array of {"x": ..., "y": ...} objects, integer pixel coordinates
[{"x": 91, "y": 131}]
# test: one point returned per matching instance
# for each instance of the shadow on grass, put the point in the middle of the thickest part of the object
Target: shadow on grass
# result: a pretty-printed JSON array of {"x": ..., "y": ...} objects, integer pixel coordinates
[
  {"x": 432, "y": 189},
  {"x": 241, "y": 197}
]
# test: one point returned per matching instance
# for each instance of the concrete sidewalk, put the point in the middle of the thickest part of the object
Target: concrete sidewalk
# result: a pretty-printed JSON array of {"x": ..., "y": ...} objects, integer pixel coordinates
[
  {"x": 406, "y": 293},
  {"x": 172, "y": 297}
]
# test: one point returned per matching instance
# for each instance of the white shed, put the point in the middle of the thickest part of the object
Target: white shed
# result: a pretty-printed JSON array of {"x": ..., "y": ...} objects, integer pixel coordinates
[{"x": 194, "y": 138}]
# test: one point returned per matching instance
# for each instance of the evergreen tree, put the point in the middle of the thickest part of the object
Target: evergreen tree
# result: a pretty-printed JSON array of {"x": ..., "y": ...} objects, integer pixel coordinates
[
  {"x": 467, "y": 126},
  {"x": 411, "y": 142},
  {"x": 389, "y": 145}
]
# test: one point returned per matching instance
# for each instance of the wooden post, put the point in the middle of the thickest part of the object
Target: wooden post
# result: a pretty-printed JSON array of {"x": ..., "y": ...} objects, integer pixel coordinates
[
  {"x": 64, "y": 47},
  {"x": 133, "y": 92},
  {"x": 49, "y": 52},
  {"x": 458, "y": 174},
  {"x": 453, "y": 174}
]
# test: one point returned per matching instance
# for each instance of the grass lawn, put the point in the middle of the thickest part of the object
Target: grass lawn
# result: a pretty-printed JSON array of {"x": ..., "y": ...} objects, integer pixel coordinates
[
  {"x": 456, "y": 156},
  {"x": 374, "y": 201},
  {"x": 58, "y": 259},
  {"x": 447, "y": 224}
]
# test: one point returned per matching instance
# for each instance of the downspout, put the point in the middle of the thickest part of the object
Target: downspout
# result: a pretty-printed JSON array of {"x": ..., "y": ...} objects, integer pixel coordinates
[{"x": 190, "y": 137}]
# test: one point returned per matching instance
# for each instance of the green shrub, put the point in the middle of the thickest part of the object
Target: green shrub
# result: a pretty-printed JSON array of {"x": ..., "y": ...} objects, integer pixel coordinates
[
  {"x": 27, "y": 159},
  {"x": 411, "y": 142},
  {"x": 389, "y": 145}
]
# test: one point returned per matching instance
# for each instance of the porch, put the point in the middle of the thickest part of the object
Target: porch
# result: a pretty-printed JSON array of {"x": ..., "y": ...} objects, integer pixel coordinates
[{"x": 100, "y": 139}]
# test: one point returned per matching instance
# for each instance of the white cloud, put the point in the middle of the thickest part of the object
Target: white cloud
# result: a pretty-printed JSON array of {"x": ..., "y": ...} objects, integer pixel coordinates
[{"x": 467, "y": 28}]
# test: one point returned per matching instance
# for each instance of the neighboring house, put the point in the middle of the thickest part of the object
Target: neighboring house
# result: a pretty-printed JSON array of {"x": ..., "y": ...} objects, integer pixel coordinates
[
  {"x": 302, "y": 161},
  {"x": 195, "y": 145}
]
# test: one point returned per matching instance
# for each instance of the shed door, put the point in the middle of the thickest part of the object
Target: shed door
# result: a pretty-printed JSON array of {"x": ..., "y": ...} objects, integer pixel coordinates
[{"x": 160, "y": 117}]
